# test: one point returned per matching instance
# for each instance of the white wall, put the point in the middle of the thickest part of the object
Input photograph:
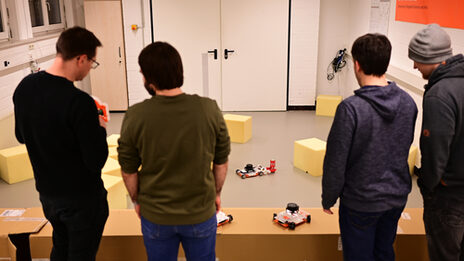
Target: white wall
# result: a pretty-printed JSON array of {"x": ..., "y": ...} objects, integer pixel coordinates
[
  {"x": 24, "y": 48},
  {"x": 8, "y": 84},
  {"x": 401, "y": 67},
  {"x": 135, "y": 12},
  {"x": 304, "y": 31},
  {"x": 333, "y": 35},
  {"x": 400, "y": 33},
  {"x": 19, "y": 58},
  {"x": 342, "y": 21}
]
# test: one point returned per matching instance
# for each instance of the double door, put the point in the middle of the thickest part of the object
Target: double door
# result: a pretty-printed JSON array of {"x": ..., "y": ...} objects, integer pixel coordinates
[{"x": 234, "y": 51}]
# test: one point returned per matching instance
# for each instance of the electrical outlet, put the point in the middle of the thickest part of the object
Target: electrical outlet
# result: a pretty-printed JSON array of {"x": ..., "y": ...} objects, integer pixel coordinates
[{"x": 31, "y": 47}]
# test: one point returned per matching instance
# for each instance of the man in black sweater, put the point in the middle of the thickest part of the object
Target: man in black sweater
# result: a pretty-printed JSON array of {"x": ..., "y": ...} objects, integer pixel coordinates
[
  {"x": 66, "y": 142},
  {"x": 366, "y": 163},
  {"x": 441, "y": 177}
]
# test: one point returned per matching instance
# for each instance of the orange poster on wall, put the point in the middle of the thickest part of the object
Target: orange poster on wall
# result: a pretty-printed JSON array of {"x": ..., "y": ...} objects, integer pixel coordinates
[{"x": 447, "y": 13}]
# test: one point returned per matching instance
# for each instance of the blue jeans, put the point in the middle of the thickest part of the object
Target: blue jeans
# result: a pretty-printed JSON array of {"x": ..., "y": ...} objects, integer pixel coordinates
[
  {"x": 198, "y": 240},
  {"x": 368, "y": 236}
]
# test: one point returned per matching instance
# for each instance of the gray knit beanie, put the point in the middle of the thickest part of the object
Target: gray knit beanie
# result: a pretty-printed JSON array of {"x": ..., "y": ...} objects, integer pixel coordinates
[{"x": 430, "y": 45}]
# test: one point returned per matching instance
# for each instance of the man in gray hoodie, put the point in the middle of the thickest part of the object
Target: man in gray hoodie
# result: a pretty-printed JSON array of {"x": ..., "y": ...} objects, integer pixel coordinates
[
  {"x": 441, "y": 177},
  {"x": 367, "y": 152}
]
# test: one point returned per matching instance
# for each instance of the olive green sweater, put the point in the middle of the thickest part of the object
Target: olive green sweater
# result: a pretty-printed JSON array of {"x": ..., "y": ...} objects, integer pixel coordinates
[{"x": 174, "y": 140}]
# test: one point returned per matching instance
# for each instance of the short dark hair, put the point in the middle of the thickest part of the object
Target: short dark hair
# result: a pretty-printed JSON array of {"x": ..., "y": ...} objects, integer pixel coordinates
[
  {"x": 372, "y": 51},
  {"x": 161, "y": 66},
  {"x": 77, "y": 41}
]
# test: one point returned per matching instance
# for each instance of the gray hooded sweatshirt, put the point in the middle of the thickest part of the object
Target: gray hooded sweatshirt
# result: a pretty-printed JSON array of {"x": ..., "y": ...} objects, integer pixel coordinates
[{"x": 366, "y": 162}]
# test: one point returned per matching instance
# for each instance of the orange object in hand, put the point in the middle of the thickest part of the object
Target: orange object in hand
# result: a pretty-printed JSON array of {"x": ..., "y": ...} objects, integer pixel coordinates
[{"x": 103, "y": 110}]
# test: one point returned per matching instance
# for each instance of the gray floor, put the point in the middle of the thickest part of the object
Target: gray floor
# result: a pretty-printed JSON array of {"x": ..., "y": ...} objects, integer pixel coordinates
[{"x": 273, "y": 137}]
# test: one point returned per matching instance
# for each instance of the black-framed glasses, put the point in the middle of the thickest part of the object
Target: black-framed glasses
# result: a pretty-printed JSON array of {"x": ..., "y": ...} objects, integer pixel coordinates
[{"x": 95, "y": 64}]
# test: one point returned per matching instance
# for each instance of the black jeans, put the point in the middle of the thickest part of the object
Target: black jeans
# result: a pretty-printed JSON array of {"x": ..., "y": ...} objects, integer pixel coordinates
[
  {"x": 77, "y": 226},
  {"x": 368, "y": 236},
  {"x": 444, "y": 226}
]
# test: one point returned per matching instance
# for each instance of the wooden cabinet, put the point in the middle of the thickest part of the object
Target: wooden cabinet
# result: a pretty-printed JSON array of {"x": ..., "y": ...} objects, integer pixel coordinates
[{"x": 108, "y": 81}]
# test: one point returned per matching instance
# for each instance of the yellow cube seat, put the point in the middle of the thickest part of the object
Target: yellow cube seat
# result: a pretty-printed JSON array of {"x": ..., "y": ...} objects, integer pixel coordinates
[
  {"x": 412, "y": 158},
  {"x": 326, "y": 105},
  {"x": 308, "y": 155},
  {"x": 112, "y": 167},
  {"x": 117, "y": 194},
  {"x": 15, "y": 165},
  {"x": 239, "y": 127},
  {"x": 113, "y": 152},
  {"x": 112, "y": 140}
]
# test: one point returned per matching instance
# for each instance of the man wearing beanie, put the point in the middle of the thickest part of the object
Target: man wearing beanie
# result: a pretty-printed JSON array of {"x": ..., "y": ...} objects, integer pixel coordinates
[{"x": 441, "y": 177}]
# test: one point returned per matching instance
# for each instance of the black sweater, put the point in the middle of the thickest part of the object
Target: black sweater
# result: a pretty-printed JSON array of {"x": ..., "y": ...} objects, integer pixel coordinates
[
  {"x": 60, "y": 127},
  {"x": 442, "y": 139}
]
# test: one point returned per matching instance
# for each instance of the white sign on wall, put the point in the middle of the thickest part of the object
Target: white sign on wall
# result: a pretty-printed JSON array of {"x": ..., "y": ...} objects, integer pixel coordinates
[{"x": 380, "y": 14}]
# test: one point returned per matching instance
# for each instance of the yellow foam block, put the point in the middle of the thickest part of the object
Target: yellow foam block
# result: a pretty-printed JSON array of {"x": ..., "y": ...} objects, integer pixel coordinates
[
  {"x": 15, "y": 165},
  {"x": 412, "y": 158},
  {"x": 239, "y": 127},
  {"x": 308, "y": 155},
  {"x": 113, "y": 152},
  {"x": 116, "y": 191},
  {"x": 326, "y": 105},
  {"x": 112, "y": 140},
  {"x": 112, "y": 167}
]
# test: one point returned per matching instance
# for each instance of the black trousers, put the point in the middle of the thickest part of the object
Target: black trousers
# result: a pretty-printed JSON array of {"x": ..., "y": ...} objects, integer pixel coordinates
[
  {"x": 444, "y": 226},
  {"x": 77, "y": 226}
]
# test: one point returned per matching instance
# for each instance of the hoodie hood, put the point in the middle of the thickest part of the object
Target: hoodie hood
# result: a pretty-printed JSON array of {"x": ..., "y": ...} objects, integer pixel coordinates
[
  {"x": 384, "y": 99},
  {"x": 453, "y": 67}
]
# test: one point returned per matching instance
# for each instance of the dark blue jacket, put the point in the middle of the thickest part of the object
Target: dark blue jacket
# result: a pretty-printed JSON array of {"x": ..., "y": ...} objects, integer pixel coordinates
[{"x": 366, "y": 162}]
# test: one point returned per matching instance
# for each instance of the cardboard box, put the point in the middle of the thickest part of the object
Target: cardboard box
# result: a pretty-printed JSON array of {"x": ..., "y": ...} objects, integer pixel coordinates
[
  {"x": 412, "y": 158},
  {"x": 15, "y": 165},
  {"x": 411, "y": 243},
  {"x": 252, "y": 235},
  {"x": 259, "y": 238},
  {"x": 117, "y": 193},
  {"x": 122, "y": 239},
  {"x": 326, "y": 105},
  {"x": 112, "y": 167},
  {"x": 308, "y": 155},
  {"x": 16, "y": 225},
  {"x": 239, "y": 127},
  {"x": 7, "y": 249},
  {"x": 112, "y": 140}
]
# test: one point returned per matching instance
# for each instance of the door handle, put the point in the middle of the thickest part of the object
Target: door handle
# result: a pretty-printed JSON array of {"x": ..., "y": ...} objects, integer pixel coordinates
[
  {"x": 226, "y": 53},
  {"x": 214, "y": 52}
]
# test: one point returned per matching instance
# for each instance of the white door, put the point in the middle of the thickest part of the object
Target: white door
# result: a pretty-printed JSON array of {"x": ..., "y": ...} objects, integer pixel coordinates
[
  {"x": 193, "y": 28},
  {"x": 254, "y": 76}
]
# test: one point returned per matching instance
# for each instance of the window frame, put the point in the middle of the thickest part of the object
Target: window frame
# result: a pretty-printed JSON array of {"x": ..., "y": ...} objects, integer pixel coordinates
[
  {"x": 5, "y": 35},
  {"x": 47, "y": 26}
]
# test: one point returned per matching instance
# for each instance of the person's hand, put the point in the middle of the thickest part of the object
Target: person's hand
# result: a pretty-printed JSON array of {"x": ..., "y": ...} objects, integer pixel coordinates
[
  {"x": 102, "y": 122},
  {"x": 218, "y": 203},
  {"x": 137, "y": 208},
  {"x": 328, "y": 211}
]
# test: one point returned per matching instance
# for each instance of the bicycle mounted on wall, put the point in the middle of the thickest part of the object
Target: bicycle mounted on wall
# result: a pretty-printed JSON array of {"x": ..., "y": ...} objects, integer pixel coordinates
[{"x": 337, "y": 64}]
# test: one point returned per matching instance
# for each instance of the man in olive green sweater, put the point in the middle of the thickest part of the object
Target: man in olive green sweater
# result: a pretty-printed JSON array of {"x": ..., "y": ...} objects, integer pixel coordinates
[{"x": 165, "y": 151}]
